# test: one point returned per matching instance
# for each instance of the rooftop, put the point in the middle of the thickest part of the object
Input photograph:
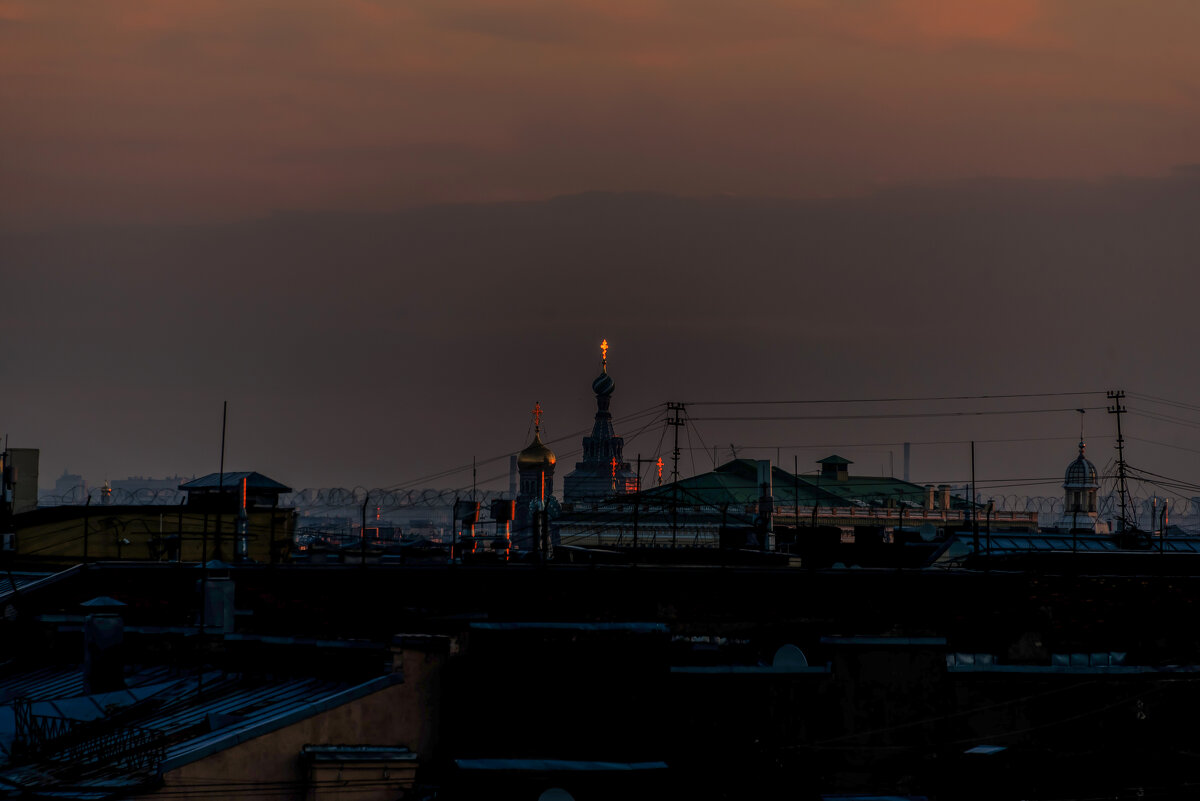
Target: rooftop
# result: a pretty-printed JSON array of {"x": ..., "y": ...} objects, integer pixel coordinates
[{"x": 255, "y": 482}]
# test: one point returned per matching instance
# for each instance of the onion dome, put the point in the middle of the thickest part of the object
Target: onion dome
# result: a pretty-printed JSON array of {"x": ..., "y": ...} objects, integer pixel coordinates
[
  {"x": 536, "y": 455},
  {"x": 604, "y": 385},
  {"x": 1081, "y": 473}
]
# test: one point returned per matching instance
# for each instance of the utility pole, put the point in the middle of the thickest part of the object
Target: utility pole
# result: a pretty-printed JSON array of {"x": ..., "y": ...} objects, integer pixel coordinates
[
  {"x": 991, "y": 507},
  {"x": 86, "y": 506},
  {"x": 971, "y": 505},
  {"x": 636, "y": 501},
  {"x": 816, "y": 499},
  {"x": 362, "y": 531},
  {"x": 796, "y": 494},
  {"x": 220, "y": 483},
  {"x": 1122, "y": 485},
  {"x": 675, "y": 422}
]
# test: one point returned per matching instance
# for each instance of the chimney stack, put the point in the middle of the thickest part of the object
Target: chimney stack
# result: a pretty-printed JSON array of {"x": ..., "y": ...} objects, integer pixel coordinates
[{"x": 103, "y": 643}]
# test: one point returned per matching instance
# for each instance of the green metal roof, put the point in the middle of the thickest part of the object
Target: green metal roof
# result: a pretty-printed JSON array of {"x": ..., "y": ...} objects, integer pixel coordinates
[{"x": 736, "y": 482}]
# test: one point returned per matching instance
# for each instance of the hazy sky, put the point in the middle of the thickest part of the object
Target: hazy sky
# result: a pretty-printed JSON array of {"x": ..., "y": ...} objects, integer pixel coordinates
[
  {"x": 382, "y": 230},
  {"x": 162, "y": 109}
]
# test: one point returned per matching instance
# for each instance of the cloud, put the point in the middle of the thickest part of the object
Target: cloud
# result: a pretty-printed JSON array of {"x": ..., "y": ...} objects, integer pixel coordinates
[{"x": 214, "y": 109}]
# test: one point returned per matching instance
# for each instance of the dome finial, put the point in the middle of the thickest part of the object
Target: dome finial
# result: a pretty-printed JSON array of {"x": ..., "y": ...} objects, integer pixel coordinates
[
  {"x": 537, "y": 417},
  {"x": 603, "y": 385}
]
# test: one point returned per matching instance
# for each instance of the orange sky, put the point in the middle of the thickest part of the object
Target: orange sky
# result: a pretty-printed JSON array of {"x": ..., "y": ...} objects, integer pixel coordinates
[
  {"x": 159, "y": 109},
  {"x": 209, "y": 109}
]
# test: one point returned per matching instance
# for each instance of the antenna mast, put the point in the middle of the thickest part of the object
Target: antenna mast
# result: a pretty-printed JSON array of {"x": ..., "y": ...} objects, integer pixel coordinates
[{"x": 1122, "y": 485}]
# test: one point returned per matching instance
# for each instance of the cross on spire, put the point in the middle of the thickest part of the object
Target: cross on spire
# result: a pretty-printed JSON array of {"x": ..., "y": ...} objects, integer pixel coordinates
[
  {"x": 604, "y": 354},
  {"x": 537, "y": 417}
]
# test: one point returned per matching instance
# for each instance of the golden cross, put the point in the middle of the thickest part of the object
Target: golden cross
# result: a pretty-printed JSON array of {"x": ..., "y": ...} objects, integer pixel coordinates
[
  {"x": 537, "y": 416},
  {"x": 604, "y": 351}
]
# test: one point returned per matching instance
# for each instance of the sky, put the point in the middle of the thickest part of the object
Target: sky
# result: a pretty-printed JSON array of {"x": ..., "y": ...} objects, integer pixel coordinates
[{"x": 382, "y": 230}]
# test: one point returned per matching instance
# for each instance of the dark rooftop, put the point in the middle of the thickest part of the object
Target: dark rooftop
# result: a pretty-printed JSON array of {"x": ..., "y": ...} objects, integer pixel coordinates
[{"x": 254, "y": 482}]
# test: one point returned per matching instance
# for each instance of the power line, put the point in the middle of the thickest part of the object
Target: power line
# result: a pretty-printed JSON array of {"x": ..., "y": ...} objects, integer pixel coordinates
[
  {"x": 896, "y": 416},
  {"x": 896, "y": 399}
]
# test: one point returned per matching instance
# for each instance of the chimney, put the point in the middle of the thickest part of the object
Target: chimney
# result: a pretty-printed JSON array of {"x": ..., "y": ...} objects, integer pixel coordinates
[
  {"x": 929, "y": 496},
  {"x": 944, "y": 491},
  {"x": 421, "y": 659},
  {"x": 217, "y": 602},
  {"x": 103, "y": 641}
]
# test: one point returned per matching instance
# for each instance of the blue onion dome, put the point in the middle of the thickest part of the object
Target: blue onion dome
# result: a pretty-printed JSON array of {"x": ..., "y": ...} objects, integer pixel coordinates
[
  {"x": 536, "y": 455},
  {"x": 603, "y": 385},
  {"x": 1081, "y": 472}
]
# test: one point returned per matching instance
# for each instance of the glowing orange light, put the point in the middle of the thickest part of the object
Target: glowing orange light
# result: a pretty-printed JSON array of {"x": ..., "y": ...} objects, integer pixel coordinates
[
  {"x": 614, "y": 472},
  {"x": 243, "y": 493},
  {"x": 604, "y": 349},
  {"x": 537, "y": 416},
  {"x": 659, "y": 464}
]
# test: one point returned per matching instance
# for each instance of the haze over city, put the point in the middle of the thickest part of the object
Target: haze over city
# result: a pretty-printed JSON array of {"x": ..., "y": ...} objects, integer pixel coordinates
[{"x": 383, "y": 231}]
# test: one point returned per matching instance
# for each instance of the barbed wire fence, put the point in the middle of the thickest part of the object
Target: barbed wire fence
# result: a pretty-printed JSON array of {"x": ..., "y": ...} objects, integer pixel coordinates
[{"x": 345, "y": 502}]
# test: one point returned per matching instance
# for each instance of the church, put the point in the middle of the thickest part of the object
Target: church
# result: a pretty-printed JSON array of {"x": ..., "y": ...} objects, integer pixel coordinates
[{"x": 603, "y": 472}]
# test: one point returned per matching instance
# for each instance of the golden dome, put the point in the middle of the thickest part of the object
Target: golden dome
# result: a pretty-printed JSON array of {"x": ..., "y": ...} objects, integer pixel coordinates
[{"x": 536, "y": 455}]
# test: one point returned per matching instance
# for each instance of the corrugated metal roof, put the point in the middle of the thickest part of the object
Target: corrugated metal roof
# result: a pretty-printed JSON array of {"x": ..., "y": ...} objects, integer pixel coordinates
[
  {"x": 200, "y": 714},
  {"x": 1049, "y": 542},
  {"x": 67, "y": 682},
  {"x": 736, "y": 482},
  {"x": 17, "y": 581}
]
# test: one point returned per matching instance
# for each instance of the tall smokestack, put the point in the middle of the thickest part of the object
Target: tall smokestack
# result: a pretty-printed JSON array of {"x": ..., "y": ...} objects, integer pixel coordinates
[{"x": 907, "y": 458}]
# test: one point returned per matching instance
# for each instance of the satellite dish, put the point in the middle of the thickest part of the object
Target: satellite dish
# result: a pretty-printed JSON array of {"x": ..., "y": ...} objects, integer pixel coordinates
[
  {"x": 789, "y": 656},
  {"x": 928, "y": 532}
]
